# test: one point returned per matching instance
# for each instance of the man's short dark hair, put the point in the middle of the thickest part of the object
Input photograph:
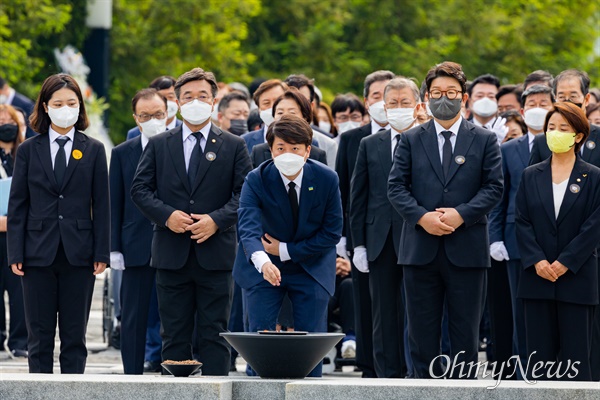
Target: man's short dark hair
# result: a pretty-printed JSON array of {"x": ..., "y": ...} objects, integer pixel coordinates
[
  {"x": 146, "y": 94},
  {"x": 2, "y": 82},
  {"x": 163, "y": 82},
  {"x": 447, "y": 69},
  {"x": 229, "y": 97},
  {"x": 536, "y": 89},
  {"x": 423, "y": 90},
  {"x": 517, "y": 90},
  {"x": 377, "y": 76},
  {"x": 254, "y": 120},
  {"x": 487, "y": 79},
  {"x": 584, "y": 79},
  {"x": 268, "y": 85},
  {"x": 342, "y": 102},
  {"x": 197, "y": 74},
  {"x": 538, "y": 76},
  {"x": 297, "y": 97},
  {"x": 300, "y": 81},
  {"x": 291, "y": 129}
]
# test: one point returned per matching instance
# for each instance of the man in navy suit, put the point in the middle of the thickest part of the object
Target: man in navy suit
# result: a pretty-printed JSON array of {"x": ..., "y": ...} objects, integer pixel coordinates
[
  {"x": 445, "y": 179},
  {"x": 264, "y": 97},
  {"x": 290, "y": 220},
  {"x": 188, "y": 184},
  {"x": 10, "y": 96},
  {"x": 515, "y": 158},
  {"x": 131, "y": 232},
  {"x": 165, "y": 85}
]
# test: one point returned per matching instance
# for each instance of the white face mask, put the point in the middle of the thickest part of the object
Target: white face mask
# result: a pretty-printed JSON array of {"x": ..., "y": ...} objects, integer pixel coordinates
[
  {"x": 535, "y": 118},
  {"x": 326, "y": 126},
  {"x": 64, "y": 117},
  {"x": 400, "y": 118},
  {"x": 289, "y": 164},
  {"x": 267, "y": 117},
  {"x": 348, "y": 125},
  {"x": 377, "y": 112},
  {"x": 485, "y": 107},
  {"x": 3, "y": 98},
  {"x": 196, "y": 112},
  {"x": 171, "y": 109},
  {"x": 153, "y": 127}
]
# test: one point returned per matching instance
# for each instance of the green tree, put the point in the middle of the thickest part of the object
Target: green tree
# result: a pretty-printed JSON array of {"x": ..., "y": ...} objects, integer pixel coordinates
[{"x": 152, "y": 38}]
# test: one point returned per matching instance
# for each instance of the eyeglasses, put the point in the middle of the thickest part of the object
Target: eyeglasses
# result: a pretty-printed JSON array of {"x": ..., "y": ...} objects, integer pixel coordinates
[
  {"x": 203, "y": 97},
  {"x": 450, "y": 94},
  {"x": 148, "y": 117},
  {"x": 572, "y": 99},
  {"x": 346, "y": 118}
]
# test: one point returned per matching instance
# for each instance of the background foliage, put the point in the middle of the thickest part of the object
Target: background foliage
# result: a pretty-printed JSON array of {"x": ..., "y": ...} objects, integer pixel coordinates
[{"x": 336, "y": 42}]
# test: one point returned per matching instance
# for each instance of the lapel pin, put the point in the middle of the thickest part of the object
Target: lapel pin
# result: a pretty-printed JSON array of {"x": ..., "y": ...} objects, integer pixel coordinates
[
  {"x": 214, "y": 141},
  {"x": 578, "y": 179},
  {"x": 77, "y": 154},
  {"x": 311, "y": 188},
  {"x": 460, "y": 160},
  {"x": 590, "y": 144},
  {"x": 584, "y": 175},
  {"x": 574, "y": 188},
  {"x": 210, "y": 156}
]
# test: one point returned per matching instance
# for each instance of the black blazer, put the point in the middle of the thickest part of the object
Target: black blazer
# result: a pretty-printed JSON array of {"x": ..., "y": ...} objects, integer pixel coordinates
[
  {"x": 417, "y": 186},
  {"x": 131, "y": 232},
  {"x": 344, "y": 166},
  {"x": 262, "y": 153},
  {"x": 40, "y": 213},
  {"x": 571, "y": 239},
  {"x": 371, "y": 213},
  {"x": 160, "y": 186},
  {"x": 591, "y": 153}
]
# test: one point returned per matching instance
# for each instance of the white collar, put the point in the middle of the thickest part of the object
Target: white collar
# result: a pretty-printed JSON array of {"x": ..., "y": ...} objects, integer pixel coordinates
[
  {"x": 454, "y": 128},
  {"x": 375, "y": 127},
  {"x": 297, "y": 181},
  {"x": 53, "y": 134},
  {"x": 144, "y": 140},
  {"x": 172, "y": 125},
  {"x": 186, "y": 131}
]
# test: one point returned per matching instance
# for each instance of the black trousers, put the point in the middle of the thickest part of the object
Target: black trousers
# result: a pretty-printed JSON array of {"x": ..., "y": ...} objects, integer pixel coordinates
[
  {"x": 136, "y": 290},
  {"x": 342, "y": 301},
  {"x": 426, "y": 288},
  {"x": 11, "y": 283},
  {"x": 385, "y": 283},
  {"x": 65, "y": 291},
  {"x": 559, "y": 333},
  {"x": 501, "y": 318},
  {"x": 185, "y": 293},
  {"x": 364, "y": 323}
]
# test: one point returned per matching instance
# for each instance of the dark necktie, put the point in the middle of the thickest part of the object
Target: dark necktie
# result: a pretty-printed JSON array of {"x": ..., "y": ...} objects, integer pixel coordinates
[
  {"x": 446, "y": 153},
  {"x": 194, "y": 159},
  {"x": 397, "y": 139},
  {"x": 60, "y": 161},
  {"x": 293, "y": 197}
]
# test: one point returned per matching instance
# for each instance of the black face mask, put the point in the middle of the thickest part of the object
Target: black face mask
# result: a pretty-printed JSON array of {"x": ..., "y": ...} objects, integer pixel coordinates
[
  {"x": 580, "y": 105},
  {"x": 8, "y": 133},
  {"x": 238, "y": 126}
]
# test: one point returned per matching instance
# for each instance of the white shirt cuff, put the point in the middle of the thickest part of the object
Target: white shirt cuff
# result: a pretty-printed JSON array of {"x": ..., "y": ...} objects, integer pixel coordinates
[
  {"x": 283, "y": 252},
  {"x": 259, "y": 258}
]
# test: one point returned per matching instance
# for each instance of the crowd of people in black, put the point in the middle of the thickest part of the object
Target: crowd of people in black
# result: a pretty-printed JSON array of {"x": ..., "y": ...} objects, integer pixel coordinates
[{"x": 425, "y": 222}]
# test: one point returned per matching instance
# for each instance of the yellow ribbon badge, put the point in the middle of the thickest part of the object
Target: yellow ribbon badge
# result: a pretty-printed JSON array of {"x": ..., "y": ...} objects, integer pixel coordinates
[{"x": 77, "y": 154}]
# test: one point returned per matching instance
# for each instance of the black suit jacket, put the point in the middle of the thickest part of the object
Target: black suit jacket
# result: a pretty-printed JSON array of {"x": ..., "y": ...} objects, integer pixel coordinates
[
  {"x": 262, "y": 153},
  {"x": 371, "y": 213},
  {"x": 473, "y": 187},
  {"x": 160, "y": 186},
  {"x": 571, "y": 238},
  {"x": 131, "y": 232},
  {"x": 591, "y": 153},
  {"x": 344, "y": 166},
  {"x": 40, "y": 213}
]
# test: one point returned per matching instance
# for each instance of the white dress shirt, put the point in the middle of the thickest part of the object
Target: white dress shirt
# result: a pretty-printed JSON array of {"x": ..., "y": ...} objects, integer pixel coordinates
[
  {"x": 259, "y": 258},
  {"x": 54, "y": 147},
  {"x": 530, "y": 137},
  {"x": 172, "y": 125},
  {"x": 189, "y": 141},
  {"x": 439, "y": 129},
  {"x": 144, "y": 141},
  {"x": 375, "y": 127},
  {"x": 558, "y": 193}
]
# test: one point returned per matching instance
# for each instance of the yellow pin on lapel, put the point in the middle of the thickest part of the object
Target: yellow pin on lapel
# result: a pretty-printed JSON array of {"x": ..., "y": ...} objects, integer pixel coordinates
[
  {"x": 77, "y": 154},
  {"x": 214, "y": 140},
  {"x": 311, "y": 188}
]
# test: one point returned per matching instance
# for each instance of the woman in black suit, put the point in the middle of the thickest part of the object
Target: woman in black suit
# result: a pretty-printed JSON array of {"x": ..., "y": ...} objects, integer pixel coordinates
[
  {"x": 558, "y": 215},
  {"x": 58, "y": 225}
]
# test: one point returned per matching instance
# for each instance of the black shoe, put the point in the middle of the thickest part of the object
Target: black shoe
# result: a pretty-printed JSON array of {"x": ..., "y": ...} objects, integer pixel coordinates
[
  {"x": 17, "y": 353},
  {"x": 152, "y": 366}
]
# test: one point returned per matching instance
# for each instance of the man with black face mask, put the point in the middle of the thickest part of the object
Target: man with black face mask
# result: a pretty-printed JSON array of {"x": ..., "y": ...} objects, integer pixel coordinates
[
  {"x": 446, "y": 177},
  {"x": 234, "y": 109}
]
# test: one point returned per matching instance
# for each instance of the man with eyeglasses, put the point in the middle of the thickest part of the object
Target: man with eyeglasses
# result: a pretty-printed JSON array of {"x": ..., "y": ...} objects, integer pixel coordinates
[
  {"x": 164, "y": 85},
  {"x": 373, "y": 91},
  {"x": 188, "y": 183},
  {"x": 446, "y": 177},
  {"x": 131, "y": 234},
  {"x": 573, "y": 86}
]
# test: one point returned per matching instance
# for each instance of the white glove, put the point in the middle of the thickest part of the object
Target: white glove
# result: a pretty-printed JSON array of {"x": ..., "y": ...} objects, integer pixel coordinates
[
  {"x": 117, "y": 262},
  {"x": 340, "y": 248},
  {"x": 498, "y": 251},
  {"x": 360, "y": 259},
  {"x": 500, "y": 129}
]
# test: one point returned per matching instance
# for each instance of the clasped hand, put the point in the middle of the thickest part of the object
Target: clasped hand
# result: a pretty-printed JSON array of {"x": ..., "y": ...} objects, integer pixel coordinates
[
  {"x": 202, "y": 229},
  {"x": 442, "y": 221},
  {"x": 549, "y": 271}
]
